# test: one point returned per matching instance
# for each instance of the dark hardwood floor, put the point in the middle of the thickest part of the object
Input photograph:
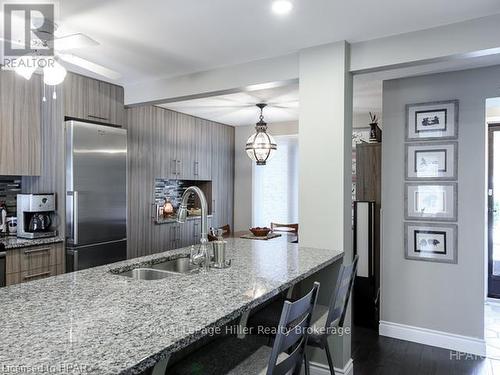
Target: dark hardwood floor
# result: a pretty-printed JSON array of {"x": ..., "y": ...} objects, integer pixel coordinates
[{"x": 378, "y": 355}]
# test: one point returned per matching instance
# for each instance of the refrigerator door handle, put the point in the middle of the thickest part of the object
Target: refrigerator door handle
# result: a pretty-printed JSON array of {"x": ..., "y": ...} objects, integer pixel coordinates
[{"x": 75, "y": 217}]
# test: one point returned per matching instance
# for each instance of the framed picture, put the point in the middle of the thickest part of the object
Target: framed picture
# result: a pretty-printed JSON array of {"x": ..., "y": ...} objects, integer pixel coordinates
[
  {"x": 431, "y": 161},
  {"x": 431, "y": 201},
  {"x": 428, "y": 121},
  {"x": 431, "y": 242}
]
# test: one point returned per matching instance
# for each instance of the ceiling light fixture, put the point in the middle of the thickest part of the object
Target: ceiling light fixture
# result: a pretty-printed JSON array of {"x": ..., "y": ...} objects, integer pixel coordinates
[
  {"x": 260, "y": 146},
  {"x": 282, "y": 6},
  {"x": 54, "y": 74}
]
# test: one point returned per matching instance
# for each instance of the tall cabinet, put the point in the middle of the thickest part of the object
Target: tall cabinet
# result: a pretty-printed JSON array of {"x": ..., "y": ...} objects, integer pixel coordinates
[
  {"x": 368, "y": 188},
  {"x": 20, "y": 130},
  {"x": 172, "y": 145}
]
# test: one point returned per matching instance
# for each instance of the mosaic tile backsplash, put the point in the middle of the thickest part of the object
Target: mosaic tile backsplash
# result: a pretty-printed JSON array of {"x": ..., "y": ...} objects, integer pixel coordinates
[
  {"x": 171, "y": 190},
  {"x": 9, "y": 188}
]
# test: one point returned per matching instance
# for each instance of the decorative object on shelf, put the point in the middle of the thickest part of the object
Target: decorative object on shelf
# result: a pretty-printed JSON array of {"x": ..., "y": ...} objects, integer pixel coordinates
[
  {"x": 374, "y": 129},
  {"x": 261, "y": 145},
  {"x": 360, "y": 135},
  {"x": 435, "y": 120},
  {"x": 431, "y": 242},
  {"x": 168, "y": 209},
  {"x": 431, "y": 161},
  {"x": 431, "y": 201}
]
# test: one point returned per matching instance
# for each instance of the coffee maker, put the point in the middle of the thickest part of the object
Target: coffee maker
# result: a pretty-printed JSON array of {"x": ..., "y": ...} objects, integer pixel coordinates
[{"x": 36, "y": 214}]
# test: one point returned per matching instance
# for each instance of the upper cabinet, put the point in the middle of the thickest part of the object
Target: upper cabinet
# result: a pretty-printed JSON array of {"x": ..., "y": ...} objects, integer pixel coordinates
[
  {"x": 20, "y": 119},
  {"x": 90, "y": 99},
  {"x": 190, "y": 148}
]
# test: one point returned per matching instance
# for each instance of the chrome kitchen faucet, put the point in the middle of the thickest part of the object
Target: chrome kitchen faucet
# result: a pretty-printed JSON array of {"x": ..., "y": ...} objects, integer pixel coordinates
[{"x": 202, "y": 257}]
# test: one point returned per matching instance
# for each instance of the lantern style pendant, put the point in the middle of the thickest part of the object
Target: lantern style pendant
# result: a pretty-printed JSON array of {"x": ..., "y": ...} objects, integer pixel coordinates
[{"x": 261, "y": 146}]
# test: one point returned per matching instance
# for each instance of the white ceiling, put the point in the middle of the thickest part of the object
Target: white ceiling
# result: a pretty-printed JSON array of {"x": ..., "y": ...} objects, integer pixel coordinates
[
  {"x": 159, "y": 38},
  {"x": 239, "y": 109},
  {"x": 283, "y": 104}
]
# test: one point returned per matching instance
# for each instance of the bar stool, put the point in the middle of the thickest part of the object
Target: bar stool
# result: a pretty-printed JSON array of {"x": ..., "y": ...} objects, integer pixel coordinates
[
  {"x": 285, "y": 357},
  {"x": 326, "y": 319}
]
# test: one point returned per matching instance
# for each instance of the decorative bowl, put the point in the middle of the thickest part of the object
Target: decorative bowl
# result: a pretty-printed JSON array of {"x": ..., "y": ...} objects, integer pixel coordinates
[{"x": 260, "y": 232}]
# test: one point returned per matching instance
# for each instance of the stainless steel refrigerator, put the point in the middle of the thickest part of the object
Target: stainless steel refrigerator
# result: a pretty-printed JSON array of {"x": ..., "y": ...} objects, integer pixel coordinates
[{"x": 96, "y": 198}]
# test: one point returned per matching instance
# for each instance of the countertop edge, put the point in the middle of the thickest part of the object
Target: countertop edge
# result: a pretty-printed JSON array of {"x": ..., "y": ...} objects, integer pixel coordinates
[
  {"x": 12, "y": 243},
  {"x": 151, "y": 361}
]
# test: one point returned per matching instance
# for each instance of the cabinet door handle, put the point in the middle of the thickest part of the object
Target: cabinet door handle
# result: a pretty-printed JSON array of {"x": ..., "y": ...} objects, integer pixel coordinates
[
  {"x": 174, "y": 167},
  {"x": 27, "y": 277},
  {"x": 44, "y": 249},
  {"x": 213, "y": 206},
  {"x": 196, "y": 168},
  {"x": 179, "y": 167}
]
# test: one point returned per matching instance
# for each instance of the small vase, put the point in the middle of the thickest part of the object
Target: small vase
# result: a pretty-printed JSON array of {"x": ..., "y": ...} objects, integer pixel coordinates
[{"x": 373, "y": 133}]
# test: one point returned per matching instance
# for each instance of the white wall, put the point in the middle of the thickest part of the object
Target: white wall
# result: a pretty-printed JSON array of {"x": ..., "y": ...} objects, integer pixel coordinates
[
  {"x": 243, "y": 170},
  {"x": 325, "y": 151},
  {"x": 437, "y": 296}
]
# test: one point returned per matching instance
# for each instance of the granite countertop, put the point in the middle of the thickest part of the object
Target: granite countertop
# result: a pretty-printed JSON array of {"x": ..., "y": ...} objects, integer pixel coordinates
[
  {"x": 95, "y": 321},
  {"x": 11, "y": 242}
]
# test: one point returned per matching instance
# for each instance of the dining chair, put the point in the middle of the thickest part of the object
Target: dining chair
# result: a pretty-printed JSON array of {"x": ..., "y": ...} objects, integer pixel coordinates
[
  {"x": 290, "y": 228},
  {"x": 326, "y": 319},
  {"x": 286, "y": 356},
  {"x": 226, "y": 232}
]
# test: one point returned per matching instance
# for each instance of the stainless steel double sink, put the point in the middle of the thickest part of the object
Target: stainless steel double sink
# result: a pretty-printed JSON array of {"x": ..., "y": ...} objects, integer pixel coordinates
[{"x": 169, "y": 268}]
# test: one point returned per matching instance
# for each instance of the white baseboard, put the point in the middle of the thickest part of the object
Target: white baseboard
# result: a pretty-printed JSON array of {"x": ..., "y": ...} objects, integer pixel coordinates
[
  {"x": 321, "y": 369},
  {"x": 464, "y": 344}
]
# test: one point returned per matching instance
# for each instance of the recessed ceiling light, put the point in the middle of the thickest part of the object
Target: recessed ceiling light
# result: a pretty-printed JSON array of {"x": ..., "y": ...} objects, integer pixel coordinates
[{"x": 282, "y": 6}]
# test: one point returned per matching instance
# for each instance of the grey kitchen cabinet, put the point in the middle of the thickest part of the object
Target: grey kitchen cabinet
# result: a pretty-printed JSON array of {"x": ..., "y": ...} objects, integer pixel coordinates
[
  {"x": 20, "y": 124},
  {"x": 222, "y": 174},
  {"x": 188, "y": 140},
  {"x": 90, "y": 99},
  {"x": 203, "y": 150},
  {"x": 33, "y": 263},
  {"x": 185, "y": 146},
  {"x": 166, "y": 144}
]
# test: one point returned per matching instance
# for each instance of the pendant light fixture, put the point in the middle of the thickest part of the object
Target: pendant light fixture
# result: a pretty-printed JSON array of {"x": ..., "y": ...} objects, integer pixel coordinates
[{"x": 261, "y": 146}]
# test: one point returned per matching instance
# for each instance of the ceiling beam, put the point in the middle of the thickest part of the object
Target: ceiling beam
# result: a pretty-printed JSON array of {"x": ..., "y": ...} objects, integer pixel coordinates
[{"x": 458, "y": 41}]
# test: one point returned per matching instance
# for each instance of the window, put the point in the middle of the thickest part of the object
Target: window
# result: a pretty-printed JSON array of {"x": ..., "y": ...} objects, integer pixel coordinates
[{"x": 276, "y": 185}]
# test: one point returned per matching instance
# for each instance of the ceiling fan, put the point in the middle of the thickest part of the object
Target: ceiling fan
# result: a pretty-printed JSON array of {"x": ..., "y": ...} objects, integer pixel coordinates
[{"x": 54, "y": 73}]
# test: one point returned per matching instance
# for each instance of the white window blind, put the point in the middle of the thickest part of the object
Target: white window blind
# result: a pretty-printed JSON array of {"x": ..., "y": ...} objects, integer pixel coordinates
[{"x": 276, "y": 185}]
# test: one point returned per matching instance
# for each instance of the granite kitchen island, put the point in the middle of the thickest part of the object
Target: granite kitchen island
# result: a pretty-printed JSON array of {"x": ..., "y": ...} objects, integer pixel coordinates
[{"x": 97, "y": 321}]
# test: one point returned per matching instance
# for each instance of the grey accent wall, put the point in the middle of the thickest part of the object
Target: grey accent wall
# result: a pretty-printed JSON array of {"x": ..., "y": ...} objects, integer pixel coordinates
[{"x": 438, "y": 296}]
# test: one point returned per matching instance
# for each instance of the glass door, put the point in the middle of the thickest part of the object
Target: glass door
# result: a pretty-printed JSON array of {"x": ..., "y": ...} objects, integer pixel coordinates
[{"x": 494, "y": 211}]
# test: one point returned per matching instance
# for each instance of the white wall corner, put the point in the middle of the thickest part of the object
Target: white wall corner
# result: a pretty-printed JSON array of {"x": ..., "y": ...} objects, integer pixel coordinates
[
  {"x": 445, "y": 340},
  {"x": 321, "y": 369}
]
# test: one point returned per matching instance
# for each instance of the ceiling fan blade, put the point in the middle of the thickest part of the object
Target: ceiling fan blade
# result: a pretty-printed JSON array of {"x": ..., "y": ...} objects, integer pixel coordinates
[
  {"x": 90, "y": 66},
  {"x": 74, "y": 41}
]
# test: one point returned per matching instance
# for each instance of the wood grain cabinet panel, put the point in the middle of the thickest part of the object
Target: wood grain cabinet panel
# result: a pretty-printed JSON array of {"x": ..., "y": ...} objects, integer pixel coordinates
[
  {"x": 32, "y": 263},
  {"x": 20, "y": 124},
  {"x": 168, "y": 144},
  {"x": 90, "y": 99},
  {"x": 75, "y": 92}
]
